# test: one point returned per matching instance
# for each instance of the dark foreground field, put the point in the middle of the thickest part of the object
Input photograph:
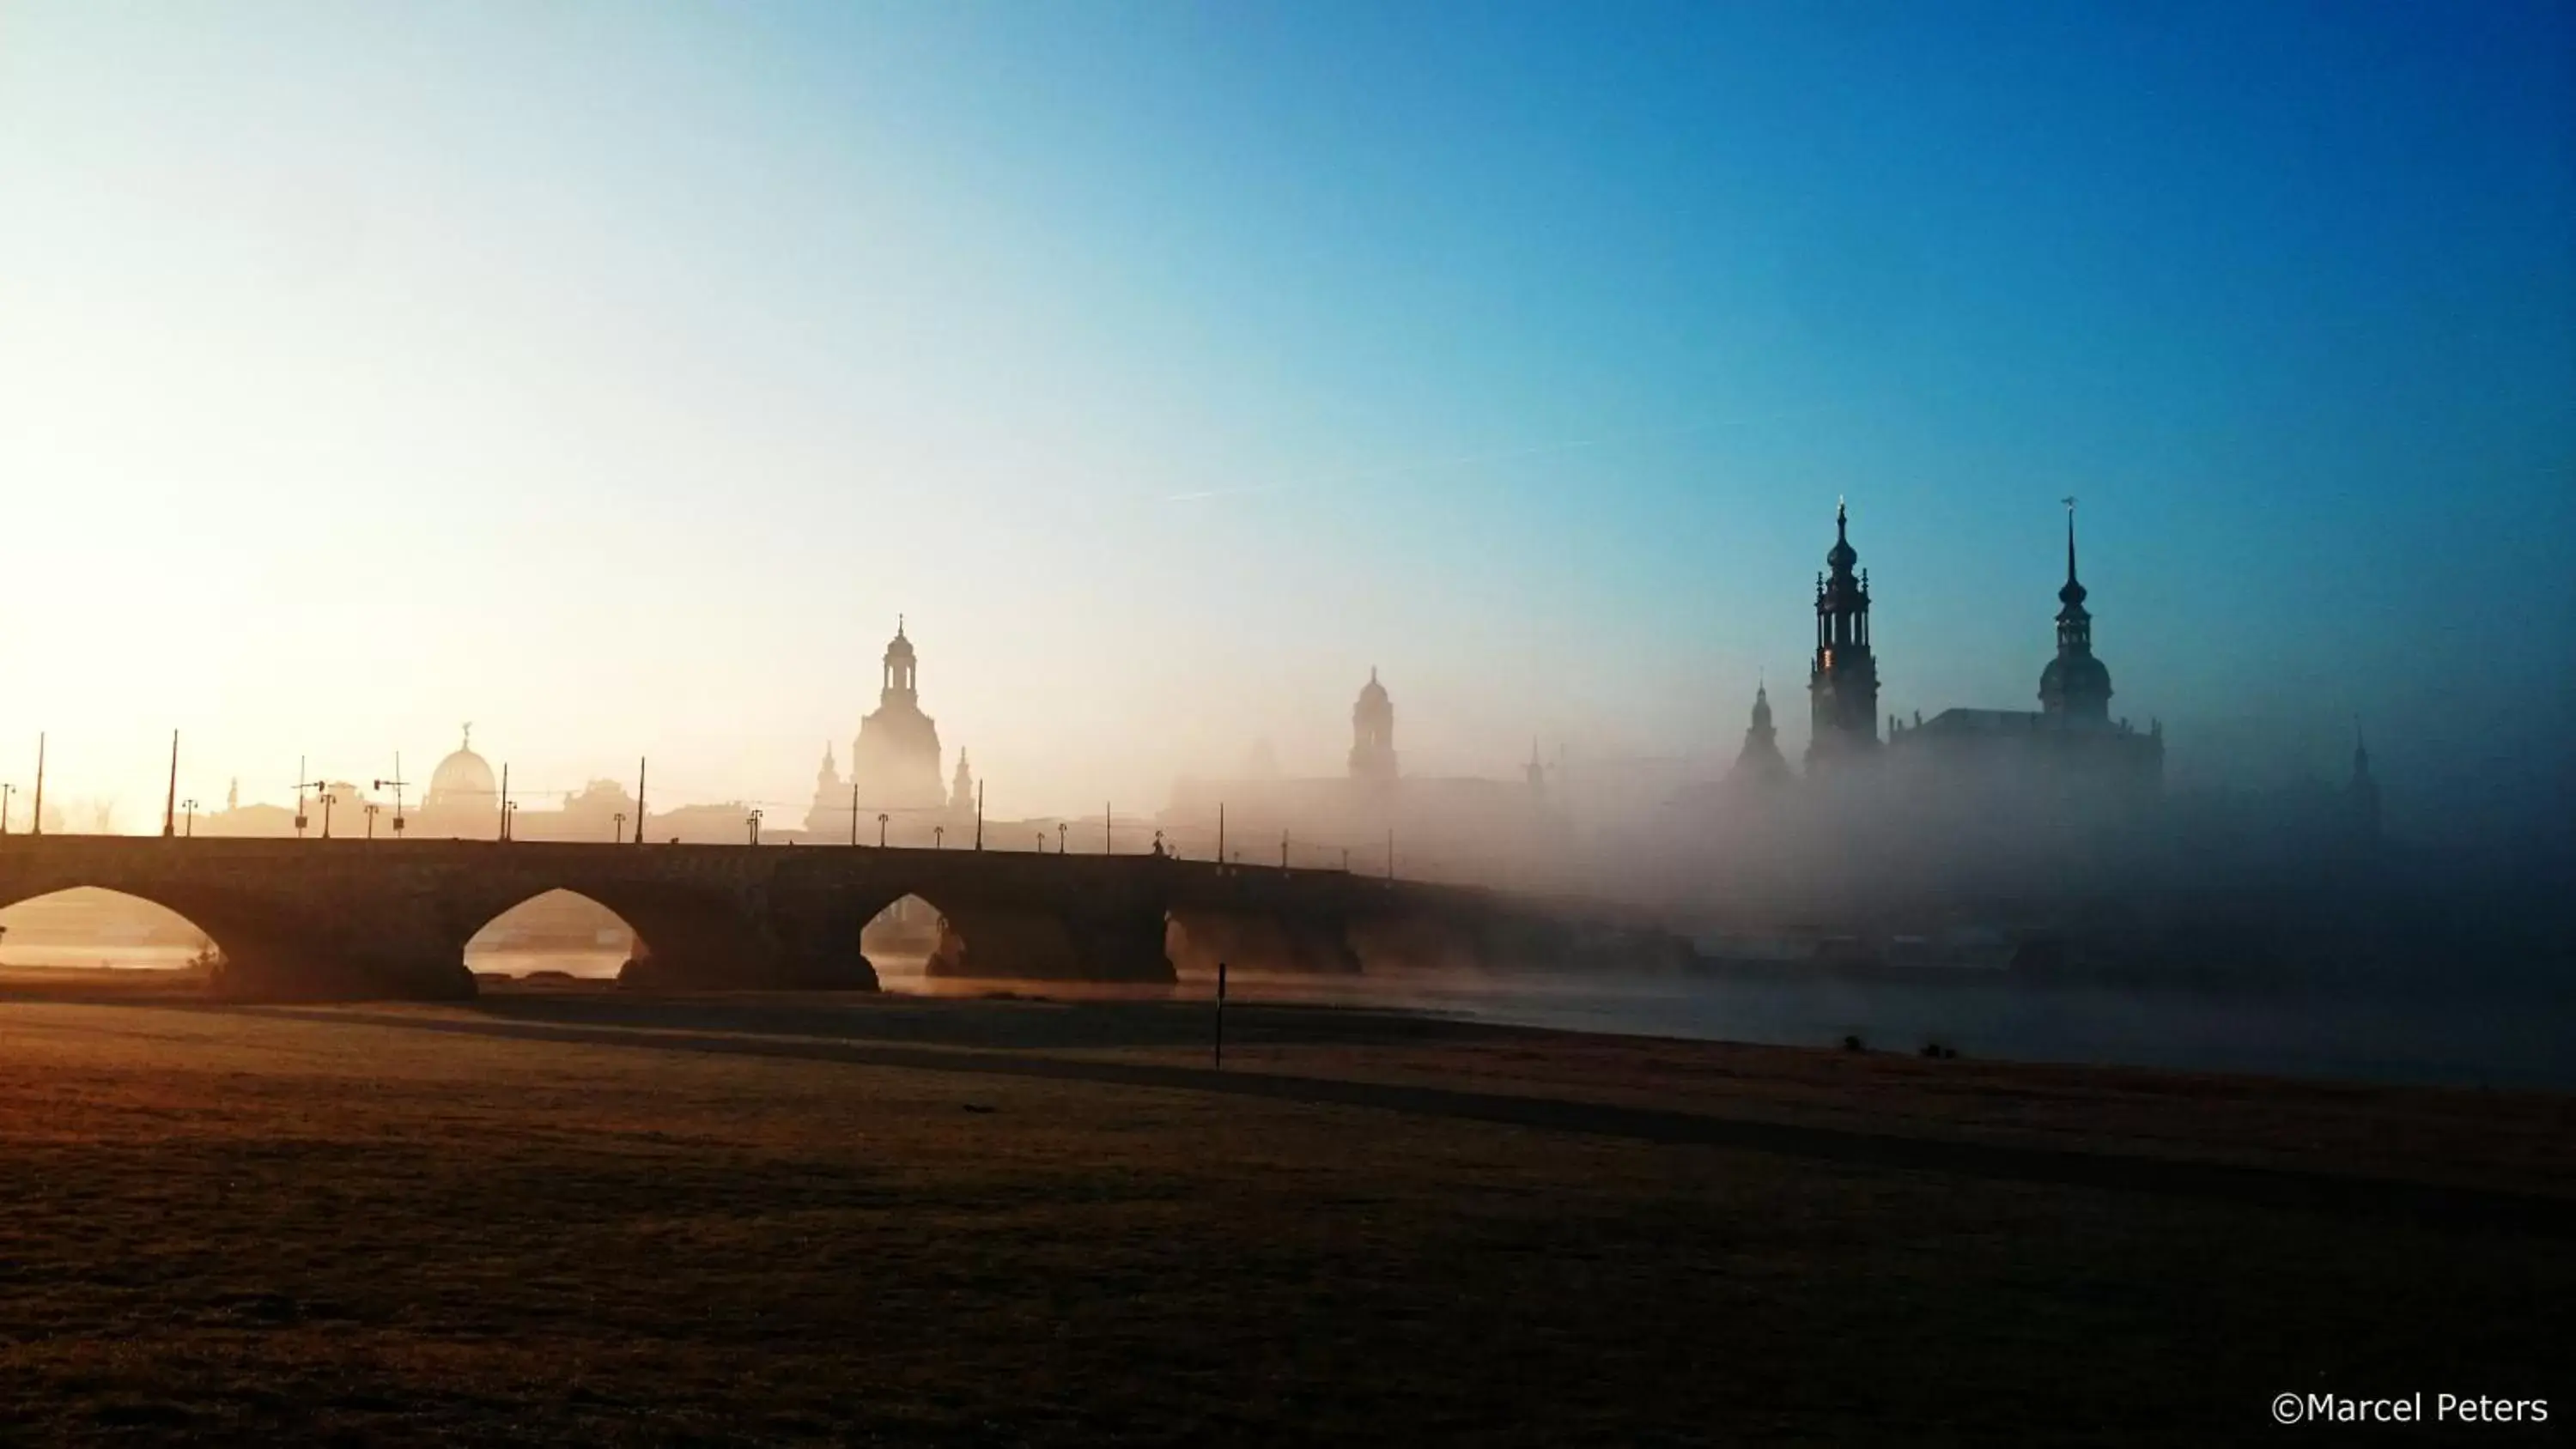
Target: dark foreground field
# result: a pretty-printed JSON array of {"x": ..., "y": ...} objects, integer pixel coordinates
[{"x": 588, "y": 1219}]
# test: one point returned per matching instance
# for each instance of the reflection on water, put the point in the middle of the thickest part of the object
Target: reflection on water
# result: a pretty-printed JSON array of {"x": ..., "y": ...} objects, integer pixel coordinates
[
  {"x": 2464, "y": 1039},
  {"x": 2487, "y": 1039}
]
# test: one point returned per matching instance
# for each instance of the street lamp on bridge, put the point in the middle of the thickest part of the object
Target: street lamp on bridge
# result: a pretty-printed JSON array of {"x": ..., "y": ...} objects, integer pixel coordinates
[
  {"x": 372, "y": 808},
  {"x": 190, "y": 806},
  {"x": 938, "y": 837},
  {"x": 753, "y": 822},
  {"x": 881, "y": 825},
  {"x": 617, "y": 832},
  {"x": 6, "y": 791},
  {"x": 1060, "y": 828}
]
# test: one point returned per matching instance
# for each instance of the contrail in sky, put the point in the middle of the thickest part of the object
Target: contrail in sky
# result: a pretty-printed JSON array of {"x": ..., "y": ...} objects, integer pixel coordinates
[{"x": 1435, "y": 465}]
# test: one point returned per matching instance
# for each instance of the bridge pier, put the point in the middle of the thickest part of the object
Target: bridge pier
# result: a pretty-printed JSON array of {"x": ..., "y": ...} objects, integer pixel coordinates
[
  {"x": 986, "y": 940},
  {"x": 1306, "y": 942}
]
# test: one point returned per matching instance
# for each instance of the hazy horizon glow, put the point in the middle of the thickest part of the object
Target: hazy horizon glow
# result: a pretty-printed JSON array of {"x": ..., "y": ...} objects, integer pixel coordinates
[{"x": 612, "y": 379}]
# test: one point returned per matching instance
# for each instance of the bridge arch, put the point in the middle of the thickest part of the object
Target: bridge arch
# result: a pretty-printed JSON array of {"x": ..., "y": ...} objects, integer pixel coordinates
[
  {"x": 916, "y": 930},
  {"x": 261, "y": 947},
  {"x": 557, "y": 932},
  {"x": 1011, "y": 933},
  {"x": 97, "y": 926},
  {"x": 677, "y": 936}
]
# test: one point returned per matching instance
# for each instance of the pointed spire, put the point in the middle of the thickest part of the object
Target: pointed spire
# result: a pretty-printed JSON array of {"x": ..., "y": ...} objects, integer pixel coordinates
[{"x": 2072, "y": 595}]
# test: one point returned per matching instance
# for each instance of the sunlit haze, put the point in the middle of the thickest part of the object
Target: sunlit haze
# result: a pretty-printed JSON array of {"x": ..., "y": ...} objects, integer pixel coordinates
[{"x": 612, "y": 377}]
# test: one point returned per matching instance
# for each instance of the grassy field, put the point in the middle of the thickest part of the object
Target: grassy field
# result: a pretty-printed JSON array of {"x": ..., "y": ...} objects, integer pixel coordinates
[{"x": 745, "y": 1222}]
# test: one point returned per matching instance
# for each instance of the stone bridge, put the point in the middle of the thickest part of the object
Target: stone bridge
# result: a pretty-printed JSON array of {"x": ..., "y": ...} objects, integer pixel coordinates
[{"x": 373, "y": 919}]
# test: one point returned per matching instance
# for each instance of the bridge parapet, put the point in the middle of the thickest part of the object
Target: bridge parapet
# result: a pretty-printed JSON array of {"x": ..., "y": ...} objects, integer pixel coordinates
[{"x": 359, "y": 918}]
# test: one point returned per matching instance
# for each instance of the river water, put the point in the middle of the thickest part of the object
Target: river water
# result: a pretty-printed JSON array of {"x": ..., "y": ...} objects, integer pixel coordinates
[{"x": 2461, "y": 1038}]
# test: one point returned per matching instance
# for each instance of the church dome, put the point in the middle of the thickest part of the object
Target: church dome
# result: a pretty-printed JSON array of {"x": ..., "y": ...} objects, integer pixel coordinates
[
  {"x": 2077, "y": 676},
  {"x": 1372, "y": 692},
  {"x": 463, "y": 773},
  {"x": 900, "y": 647}
]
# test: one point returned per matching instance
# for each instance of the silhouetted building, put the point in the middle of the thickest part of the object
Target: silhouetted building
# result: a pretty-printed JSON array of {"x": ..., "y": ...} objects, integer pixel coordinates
[
  {"x": 463, "y": 799},
  {"x": 1760, "y": 763},
  {"x": 1373, "y": 733},
  {"x": 895, "y": 760},
  {"x": 2075, "y": 687},
  {"x": 830, "y": 810},
  {"x": 1489, "y": 829},
  {"x": 1842, "y": 685},
  {"x": 2069, "y": 739}
]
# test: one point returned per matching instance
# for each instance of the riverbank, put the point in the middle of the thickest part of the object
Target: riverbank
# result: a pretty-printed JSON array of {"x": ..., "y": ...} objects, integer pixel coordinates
[{"x": 568, "y": 1217}]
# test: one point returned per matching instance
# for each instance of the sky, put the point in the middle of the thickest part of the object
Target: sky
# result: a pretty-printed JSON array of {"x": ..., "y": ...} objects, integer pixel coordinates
[{"x": 613, "y": 375}]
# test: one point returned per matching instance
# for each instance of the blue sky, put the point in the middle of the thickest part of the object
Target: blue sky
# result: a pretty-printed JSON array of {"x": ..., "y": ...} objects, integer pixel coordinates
[{"x": 612, "y": 375}]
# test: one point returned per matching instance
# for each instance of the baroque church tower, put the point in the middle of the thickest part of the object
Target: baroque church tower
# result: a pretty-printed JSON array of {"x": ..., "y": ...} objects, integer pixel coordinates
[
  {"x": 895, "y": 759},
  {"x": 2075, "y": 689},
  {"x": 1373, "y": 734},
  {"x": 1760, "y": 762},
  {"x": 1842, "y": 685}
]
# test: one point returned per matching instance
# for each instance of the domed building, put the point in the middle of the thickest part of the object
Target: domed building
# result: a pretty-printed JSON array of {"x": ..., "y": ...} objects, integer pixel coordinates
[
  {"x": 2071, "y": 737},
  {"x": 464, "y": 797},
  {"x": 894, "y": 762}
]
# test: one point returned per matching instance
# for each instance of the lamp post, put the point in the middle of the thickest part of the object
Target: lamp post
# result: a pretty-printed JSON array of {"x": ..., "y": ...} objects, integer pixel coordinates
[
  {"x": 510, "y": 820},
  {"x": 170, "y": 802},
  {"x": 881, "y": 825},
  {"x": 617, "y": 832},
  {"x": 1060, "y": 828},
  {"x": 190, "y": 806},
  {"x": 329, "y": 799},
  {"x": 938, "y": 837},
  {"x": 753, "y": 821},
  {"x": 5, "y": 792},
  {"x": 854, "y": 806},
  {"x": 1041, "y": 842},
  {"x": 372, "y": 808},
  {"x": 397, "y": 782}
]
